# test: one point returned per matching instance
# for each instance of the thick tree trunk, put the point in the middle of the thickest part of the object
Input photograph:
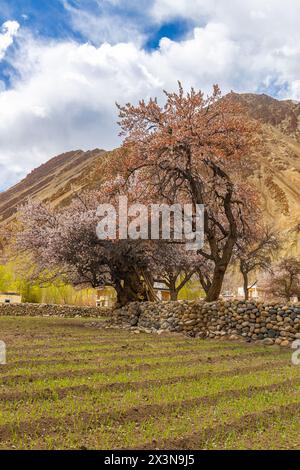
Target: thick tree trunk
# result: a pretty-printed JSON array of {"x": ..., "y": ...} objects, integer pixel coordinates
[
  {"x": 214, "y": 290},
  {"x": 221, "y": 263},
  {"x": 173, "y": 295},
  {"x": 172, "y": 288},
  {"x": 131, "y": 290}
]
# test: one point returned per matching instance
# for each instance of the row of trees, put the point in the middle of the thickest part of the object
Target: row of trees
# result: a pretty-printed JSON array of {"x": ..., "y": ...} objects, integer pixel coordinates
[{"x": 194, "y": 149}]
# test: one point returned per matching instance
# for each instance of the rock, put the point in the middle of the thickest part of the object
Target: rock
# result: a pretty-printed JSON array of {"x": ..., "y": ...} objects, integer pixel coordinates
[
  {"x": 191, "y": 322},
  {"x": 254, "y": 321},
  {"x": 234, "y": 337},
  {"x": 268, "y": 342}
]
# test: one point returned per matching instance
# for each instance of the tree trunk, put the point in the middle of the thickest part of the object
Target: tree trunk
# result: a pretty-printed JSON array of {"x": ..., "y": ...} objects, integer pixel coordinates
[
  {"x": 132, "y": 290},
  {"x": 173, "y": 295},
  {"x": 214, "y": 291},
  {"x": 221, "y": 265},
  {"x": 205, "y": 283},
  {"x": 172, "y": 288},
  {"x": 246, "y": 284}
]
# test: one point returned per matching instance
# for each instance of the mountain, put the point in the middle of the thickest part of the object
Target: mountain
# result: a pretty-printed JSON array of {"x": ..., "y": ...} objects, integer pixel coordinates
[
  {"x": 281, "y": 115},
  {"x": 54, "y": 181},
  {"x": 277, "y": 179}
]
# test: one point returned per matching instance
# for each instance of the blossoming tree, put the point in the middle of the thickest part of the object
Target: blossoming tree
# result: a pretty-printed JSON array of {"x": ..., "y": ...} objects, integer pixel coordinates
[{"x": 197, "y": 149}]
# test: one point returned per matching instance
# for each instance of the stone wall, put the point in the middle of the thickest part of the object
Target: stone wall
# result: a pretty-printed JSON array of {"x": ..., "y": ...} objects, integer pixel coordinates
[
  {"x": 270, "y": 323},
  {"x": 44, "y": 310}
]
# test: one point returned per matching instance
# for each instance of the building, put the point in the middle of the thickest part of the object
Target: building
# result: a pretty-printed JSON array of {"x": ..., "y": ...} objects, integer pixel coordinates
[
  {"x": 106, "y": 297},
  {"x": 255, "y": 292},
  {"x": 10, "y": 298},
  {"x": 161, "y": 291}
]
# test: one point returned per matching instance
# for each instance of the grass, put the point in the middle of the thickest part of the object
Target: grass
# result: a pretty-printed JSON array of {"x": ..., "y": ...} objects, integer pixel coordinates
[{"x": 69, "y": 386}]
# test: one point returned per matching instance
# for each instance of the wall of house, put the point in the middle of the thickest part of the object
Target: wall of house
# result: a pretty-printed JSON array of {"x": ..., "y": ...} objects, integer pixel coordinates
[
  {"x": 10, "y": 298},
  {"x": 271, "y": 323}
]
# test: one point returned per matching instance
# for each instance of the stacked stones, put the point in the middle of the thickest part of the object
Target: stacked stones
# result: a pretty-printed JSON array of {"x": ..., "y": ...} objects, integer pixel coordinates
[
  {"x": 270, "y": 323},
  {"x": 45, "y": 310}
]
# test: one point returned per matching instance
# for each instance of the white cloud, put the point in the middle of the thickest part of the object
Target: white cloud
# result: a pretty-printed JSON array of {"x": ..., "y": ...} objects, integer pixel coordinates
[
  {"x": 266, "y": 33},
  {"x": 8, "y": 31},
  {"x": 63, "y": 95},
  {"x": 103, "y": 23}
]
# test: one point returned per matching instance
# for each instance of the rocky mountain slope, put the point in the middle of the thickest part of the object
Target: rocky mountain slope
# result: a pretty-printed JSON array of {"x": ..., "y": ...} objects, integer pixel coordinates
[
  {"x": 54, "y": 181},
  {"x": 283, "y": 115},
  {"x": 277, "y": 180},
  {"x": 279, "y": 163}
]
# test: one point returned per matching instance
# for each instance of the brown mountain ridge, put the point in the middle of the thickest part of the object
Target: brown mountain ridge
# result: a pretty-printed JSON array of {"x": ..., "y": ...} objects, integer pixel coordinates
[{"x": 54, "y": 181}]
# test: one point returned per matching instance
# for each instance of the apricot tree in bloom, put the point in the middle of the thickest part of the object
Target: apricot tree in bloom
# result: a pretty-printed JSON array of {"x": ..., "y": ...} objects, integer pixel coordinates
[
  {"x": 196, "y": 149},
  {"x": 63, "y": 244}
]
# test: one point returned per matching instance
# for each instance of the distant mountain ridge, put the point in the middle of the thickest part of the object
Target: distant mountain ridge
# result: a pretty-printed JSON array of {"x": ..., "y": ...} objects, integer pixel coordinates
[
  {"x": 283, "y": 115},
  {"x": 54, "y": 181}
]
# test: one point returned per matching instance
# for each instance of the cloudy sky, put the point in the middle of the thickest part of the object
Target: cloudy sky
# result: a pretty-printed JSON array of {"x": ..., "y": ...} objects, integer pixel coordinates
[{"x": 64, "y": 64}]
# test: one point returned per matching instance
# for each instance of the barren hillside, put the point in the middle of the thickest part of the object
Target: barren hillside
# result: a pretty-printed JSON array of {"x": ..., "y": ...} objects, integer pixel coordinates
[
  {"x": 54, "y": 181},
  {"x": 280, "y": 163}
]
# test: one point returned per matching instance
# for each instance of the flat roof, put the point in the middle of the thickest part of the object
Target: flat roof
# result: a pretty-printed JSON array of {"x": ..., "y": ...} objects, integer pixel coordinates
[{"x": 9, "y": 293}]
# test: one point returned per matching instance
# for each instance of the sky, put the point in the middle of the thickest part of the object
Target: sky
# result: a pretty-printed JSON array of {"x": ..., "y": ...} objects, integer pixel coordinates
[{"x": 65, "y": 63}]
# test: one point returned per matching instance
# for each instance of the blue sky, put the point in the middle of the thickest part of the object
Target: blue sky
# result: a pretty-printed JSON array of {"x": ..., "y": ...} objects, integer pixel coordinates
[
  {"x": 52, "y": 19},
  {"x": 64, "y": 64},
  {"x": 44, "y": 18}
]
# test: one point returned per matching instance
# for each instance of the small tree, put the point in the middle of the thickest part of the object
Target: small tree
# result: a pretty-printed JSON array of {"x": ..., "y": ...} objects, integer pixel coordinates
[
  {"x": 176, "y": 281},
  {"x": 176, "y": 267},
  {"x": 284, "y": 281},
  {"x": 256, "y": 255}
]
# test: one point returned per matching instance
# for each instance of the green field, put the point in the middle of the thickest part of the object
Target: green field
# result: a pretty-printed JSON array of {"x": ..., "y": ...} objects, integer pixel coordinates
[{"x": 70, "y": 386}]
